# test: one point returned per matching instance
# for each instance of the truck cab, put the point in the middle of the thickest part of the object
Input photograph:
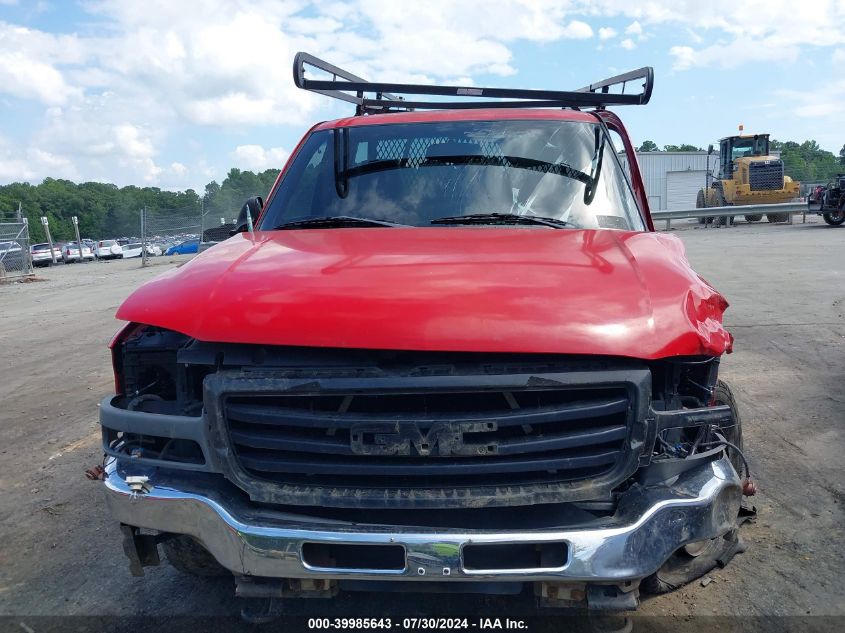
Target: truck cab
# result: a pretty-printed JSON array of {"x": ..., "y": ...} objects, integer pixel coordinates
[{"x": 449, "y": 353}]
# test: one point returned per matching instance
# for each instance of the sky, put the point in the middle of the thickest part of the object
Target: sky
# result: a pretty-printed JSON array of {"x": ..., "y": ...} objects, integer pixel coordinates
[{"x": 173, "y": 94}]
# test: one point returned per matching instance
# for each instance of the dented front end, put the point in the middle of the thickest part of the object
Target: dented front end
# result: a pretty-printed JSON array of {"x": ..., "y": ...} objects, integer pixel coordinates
[
  {"x": 298, "y": 463},
  {"x": 529, "y": 417}
]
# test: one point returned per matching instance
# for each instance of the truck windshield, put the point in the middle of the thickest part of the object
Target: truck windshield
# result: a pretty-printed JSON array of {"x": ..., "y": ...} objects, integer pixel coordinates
[{"x": 414, "y": 174}]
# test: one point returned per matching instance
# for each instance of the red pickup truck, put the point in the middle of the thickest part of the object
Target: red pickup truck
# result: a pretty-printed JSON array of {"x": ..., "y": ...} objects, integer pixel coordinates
[{"x": 450, "y": 350}]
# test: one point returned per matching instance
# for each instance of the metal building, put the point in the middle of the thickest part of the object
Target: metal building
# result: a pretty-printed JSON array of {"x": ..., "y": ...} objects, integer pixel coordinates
[{"x": 673, "y": 179}]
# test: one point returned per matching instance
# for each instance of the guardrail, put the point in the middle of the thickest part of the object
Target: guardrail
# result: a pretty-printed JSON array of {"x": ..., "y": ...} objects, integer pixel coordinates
[{"x": 788, "y": 208}]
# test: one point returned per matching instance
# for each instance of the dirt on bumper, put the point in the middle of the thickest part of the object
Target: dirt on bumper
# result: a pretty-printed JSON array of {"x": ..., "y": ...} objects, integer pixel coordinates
[{"x": 649, "y": 525}]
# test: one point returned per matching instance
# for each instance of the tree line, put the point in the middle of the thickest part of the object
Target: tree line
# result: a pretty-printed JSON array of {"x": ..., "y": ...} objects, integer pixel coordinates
[
  {"x": 804, "y": 162},
  {"x": 105, "y": 210},
  {"x": 108, "y": 211}
]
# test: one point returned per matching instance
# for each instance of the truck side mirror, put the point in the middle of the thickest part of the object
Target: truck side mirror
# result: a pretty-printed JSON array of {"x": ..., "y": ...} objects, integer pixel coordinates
[{"x": 248, "y": 215}]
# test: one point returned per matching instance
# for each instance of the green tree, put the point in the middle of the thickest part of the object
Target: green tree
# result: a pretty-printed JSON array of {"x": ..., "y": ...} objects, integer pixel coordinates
[
  {"x": 842, "y": 155},
  {"x": 806, "y": 162},
  {"x": 681, "y": 148},
  {"x": 226, "y": 199},
  {"x": 648, "y": 146}
]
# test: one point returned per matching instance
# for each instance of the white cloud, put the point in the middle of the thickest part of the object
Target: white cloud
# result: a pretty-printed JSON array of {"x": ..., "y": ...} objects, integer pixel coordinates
[
  {"x": 256, "y": 158},
  {"x": 634, "y": 28},
  {"x": 136, "y": 75},
  {"x": 577, "y": 30},
  {"x": 694, "y": 37},
  {"x": 606, "y": 33},
  {"x": 829, "y": 103},
  {"x": 113, "y": 95},
  {"x": 684, "y": 56},
  {"x": 735, "y": 33},
  {"x": 28, "y": 64},
  {"x": 28, "y": 78},
  {"x": 734, "y": 54},
  {"x": 28, "y": 164},
  {"x": 132, "y": 141}
]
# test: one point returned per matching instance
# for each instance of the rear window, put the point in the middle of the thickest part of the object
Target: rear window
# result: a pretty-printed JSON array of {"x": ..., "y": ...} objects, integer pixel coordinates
[
  {"x": 40, "y": 247},
  {"x": 131, "y": 247}
]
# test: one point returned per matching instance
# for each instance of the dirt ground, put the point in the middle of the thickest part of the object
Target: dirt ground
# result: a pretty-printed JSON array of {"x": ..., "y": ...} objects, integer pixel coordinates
[{"x": 60, "y": 553}]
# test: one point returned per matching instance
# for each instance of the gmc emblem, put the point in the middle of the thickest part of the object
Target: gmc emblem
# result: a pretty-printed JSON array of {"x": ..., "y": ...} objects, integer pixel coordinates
[{"x": 443, "y": 439}]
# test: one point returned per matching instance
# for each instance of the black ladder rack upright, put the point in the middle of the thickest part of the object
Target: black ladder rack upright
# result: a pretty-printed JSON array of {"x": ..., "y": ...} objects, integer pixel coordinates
[{"x": 386, "y": 99}]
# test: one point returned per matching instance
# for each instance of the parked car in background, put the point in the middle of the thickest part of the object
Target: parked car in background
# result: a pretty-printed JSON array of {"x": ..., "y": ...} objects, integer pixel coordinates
[
  {"x": 185, "y": 248},
  {"x": 70, "y": 253},
  {"x": 41, "y": 256},
  {"x": 136, "y": 249},
  {"x": 11, "y": 256},
  {"x": 133, "y": 249},
  {"x": 108, "y": 249}
]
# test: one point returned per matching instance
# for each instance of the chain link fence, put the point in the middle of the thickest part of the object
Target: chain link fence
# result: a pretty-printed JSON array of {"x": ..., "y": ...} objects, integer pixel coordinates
[
  {"x": 170, "y": 233},
  {"x": 165, "y": 233},
  {"x": 15, "y": 259}
]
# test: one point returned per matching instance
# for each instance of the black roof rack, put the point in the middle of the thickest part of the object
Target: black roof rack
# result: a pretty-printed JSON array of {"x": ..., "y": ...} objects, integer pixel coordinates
[{"x": 342, "y": 83}]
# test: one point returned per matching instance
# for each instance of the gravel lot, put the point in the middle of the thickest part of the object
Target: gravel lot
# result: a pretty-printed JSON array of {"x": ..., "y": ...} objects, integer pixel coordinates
[{"x": 60, "y": 554}]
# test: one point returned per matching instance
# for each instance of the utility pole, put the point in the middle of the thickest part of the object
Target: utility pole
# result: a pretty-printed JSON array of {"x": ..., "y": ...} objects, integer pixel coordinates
[
  {"x": 75, "y": 221},
  {"x": 46, "y": 224}
]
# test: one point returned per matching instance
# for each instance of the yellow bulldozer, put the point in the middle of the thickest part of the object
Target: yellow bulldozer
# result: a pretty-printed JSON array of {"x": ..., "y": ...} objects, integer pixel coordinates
[{"x": 748, "y": 174}]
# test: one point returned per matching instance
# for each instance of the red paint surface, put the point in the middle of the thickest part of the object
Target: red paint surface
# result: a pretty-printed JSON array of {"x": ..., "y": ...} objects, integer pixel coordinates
[
  {"x": 480, "y": 114},
  {"x": 477, "y": 289}
]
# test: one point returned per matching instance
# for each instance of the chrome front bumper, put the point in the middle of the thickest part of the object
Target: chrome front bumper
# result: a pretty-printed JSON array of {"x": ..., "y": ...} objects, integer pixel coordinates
[{"x": 649, "y": 525}]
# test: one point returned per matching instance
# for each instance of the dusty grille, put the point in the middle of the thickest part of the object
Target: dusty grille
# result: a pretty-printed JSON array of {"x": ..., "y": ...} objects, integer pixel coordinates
[
  {"x": 765, "y": 175},
  {"x": 456, "y": 439},
  {"x": 414, "y": 434}
]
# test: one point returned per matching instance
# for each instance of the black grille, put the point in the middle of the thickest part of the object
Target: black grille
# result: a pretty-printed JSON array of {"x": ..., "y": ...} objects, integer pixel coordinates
[
  {"x": 430, "y": 439},
  {"x": 765, "y": 175}
]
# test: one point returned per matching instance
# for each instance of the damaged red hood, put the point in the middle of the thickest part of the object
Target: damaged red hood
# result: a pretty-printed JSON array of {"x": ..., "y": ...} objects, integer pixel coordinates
[{"x": 472, "y": 289}]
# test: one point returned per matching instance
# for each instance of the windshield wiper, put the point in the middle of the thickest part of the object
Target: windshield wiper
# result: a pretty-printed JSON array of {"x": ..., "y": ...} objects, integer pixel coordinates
[
  {"x": 334, "y": 222},
  {"x": 341, "y": 161},
  {"x": 595, "y": 168},
  {"x": 502, "y": 218}
]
